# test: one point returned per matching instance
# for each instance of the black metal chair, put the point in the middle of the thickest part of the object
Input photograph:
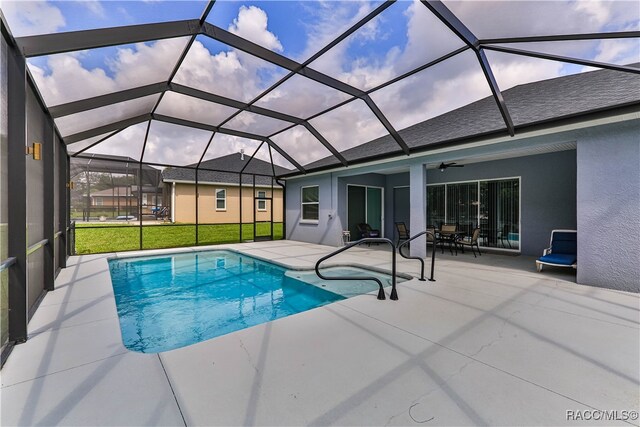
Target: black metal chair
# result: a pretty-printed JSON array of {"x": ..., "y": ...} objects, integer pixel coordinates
[
  {"x": 470, "y": 241},
  {"x": 365, "y": 231},
  {"x": 403, "y": 232}
]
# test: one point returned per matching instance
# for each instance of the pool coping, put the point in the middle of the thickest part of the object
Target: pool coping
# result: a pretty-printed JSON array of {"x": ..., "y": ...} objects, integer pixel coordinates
[{"x": 170, "y": 251}]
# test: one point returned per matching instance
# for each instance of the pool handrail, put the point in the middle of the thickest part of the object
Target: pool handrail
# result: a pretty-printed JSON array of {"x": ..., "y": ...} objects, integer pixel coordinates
[
  {"x": 381, "y": 295},
  {"x": 433, "y": 253}
]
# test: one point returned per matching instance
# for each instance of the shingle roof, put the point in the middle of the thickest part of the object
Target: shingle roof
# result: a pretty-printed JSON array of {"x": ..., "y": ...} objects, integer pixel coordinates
[
  {"x": 226, "y": 170},
  {"x": 528, "y": 104}
]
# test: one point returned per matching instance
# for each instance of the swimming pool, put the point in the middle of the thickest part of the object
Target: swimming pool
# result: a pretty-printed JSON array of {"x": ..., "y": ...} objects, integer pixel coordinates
[{"x": 170, "y": 301}]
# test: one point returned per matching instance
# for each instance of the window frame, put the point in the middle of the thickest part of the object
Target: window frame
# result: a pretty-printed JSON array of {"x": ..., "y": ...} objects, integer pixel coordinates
[
  {"x": 304, "y": 220},
  {"x": 264, "y": 209},
  {"x": 223, "y": 199}
]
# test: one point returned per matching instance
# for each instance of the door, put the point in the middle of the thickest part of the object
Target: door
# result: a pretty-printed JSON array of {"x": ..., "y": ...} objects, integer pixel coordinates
[
  {"x": 374, "y": 208},
  {"x": 364, "y": 205},
  {"x": 356, "y": 209}
]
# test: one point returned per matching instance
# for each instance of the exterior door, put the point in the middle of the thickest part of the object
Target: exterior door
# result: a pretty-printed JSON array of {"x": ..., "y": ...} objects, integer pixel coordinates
[{"x": 364, "y": 205}]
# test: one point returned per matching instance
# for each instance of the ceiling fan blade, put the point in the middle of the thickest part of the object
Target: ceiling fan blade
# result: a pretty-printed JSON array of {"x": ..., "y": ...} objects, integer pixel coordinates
[{"x": 456, "y": 166}]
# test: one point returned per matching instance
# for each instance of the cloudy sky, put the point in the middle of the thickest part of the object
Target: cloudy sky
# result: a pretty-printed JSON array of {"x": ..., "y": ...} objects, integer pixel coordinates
[{"x": 405, "y": 36}]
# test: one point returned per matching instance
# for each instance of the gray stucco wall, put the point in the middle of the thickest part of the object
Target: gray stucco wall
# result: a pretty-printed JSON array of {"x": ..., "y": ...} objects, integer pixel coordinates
[
  {"x": 608, "y": 195},
  {"x": 328, "y": 229},
  {"x": 547, "y": 192}
]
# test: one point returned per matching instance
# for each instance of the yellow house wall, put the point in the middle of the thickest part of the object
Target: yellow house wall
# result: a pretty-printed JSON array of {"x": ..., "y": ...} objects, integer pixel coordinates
[{"x": 185, "y": 210}]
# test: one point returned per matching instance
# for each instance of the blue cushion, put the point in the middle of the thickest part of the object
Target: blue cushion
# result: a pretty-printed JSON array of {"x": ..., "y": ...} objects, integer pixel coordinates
[
  {"x": 561, "y": 259},
  {"x": 564, "y": 243}
]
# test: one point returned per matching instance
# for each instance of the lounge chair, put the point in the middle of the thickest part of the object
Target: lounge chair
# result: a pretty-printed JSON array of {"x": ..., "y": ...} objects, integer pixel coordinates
[
  {"x": 563, "y": 250},
  {"x": 365, "y": 230}
]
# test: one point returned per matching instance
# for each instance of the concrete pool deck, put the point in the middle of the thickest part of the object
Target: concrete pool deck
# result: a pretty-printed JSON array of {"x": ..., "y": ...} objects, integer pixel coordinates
[{"x": 490, "y": 342}]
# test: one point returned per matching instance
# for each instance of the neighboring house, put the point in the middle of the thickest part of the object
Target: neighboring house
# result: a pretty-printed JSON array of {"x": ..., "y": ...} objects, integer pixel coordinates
[
  {"x": 119, "y": 197},
  {"x": 574, "y": 163},
  {"x": 219, "y": 191}
]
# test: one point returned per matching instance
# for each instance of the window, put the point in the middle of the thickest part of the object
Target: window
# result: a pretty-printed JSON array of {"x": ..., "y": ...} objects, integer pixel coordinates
[
  {"x": 144, "y": 199},
  {"x": 310, "y": 203},
  {"x": 98, "y": 201},
  {"x": 491, "y": 205},
  {"x": 262, "y": 204},
  {"x": 221, "y": 200}
]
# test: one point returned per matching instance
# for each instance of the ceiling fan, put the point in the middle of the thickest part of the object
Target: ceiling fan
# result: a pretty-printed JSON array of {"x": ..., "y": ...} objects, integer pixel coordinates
[{"x": 443, "y": 166}]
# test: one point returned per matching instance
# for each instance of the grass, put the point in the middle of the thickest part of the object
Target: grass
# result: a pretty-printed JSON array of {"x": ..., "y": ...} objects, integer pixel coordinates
[{"x": 112, "y": 238}]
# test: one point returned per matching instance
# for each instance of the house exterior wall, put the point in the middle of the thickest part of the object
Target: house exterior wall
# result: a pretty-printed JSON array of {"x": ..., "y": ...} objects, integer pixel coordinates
[
  {"x": 608, "y": 215},
  {"x": 185, "y": 208},
  {"x": 547, "y": 187},
  {"x": 594, "y": 188},
  {"x": 547, "y": 192},
  {"x": 369, "y": 179},
  {"x": 328, "y": 229},
  {"x": 113, "y": 201}
]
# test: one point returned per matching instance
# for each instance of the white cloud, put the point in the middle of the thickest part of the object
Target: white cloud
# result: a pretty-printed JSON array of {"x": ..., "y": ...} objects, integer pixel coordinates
[
  {"x": 94, "y": 6},
  {"x": 32, "y": 17},
  {"x": 69, "y": 80},
  {"x": 251, "y": 24}
]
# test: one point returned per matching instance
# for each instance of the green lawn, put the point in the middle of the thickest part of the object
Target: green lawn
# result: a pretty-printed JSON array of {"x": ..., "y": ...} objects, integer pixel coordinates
[{"x": 111, "y": 238}]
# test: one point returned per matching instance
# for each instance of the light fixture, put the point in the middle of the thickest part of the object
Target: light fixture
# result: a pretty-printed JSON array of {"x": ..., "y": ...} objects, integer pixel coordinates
[
  {"x": 35, "y": 150},
  {"x": 444, "y": 165}
]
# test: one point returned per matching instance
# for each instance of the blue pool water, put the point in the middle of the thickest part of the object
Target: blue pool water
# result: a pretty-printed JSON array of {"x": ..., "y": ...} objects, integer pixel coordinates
[{"x": 171, "y": 301}]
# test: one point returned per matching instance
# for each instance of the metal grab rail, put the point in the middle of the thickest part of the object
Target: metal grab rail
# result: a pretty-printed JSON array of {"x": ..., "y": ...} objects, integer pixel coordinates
[
  {"x": 7, "y": 263},
  {"x": 381, "y": 295},
  {"x": 31, "y": 249},
  {"x": 433, "y": 254}
]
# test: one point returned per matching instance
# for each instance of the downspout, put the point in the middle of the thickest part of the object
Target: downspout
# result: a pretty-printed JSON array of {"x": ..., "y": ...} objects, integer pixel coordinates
[
  {"x": 173, "y": 202},
  {"x": 282, "y": 184}
]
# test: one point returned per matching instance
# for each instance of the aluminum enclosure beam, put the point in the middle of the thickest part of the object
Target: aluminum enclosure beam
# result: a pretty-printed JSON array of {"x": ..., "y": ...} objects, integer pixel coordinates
[
  {"x": 74, "y": 107},
  {"x": 49, "y": 44},
  {"x": 97, "y": 142},
  {"x": 563, "y": 37},
  {"x": 285, "y": 155},
  {"x": 106, "y": 128},
  {"x": 394, "y": 134},
  {"x": 206, "y": 96},
  {"x": 17, "y": 198},
  {"x": 448, "y": 18},
  {"x": 497, "y": 95},
  {"x": 559, "y": 58},
  {"x": 232, "y": 132},
  {"x": 326, "y": 143}
]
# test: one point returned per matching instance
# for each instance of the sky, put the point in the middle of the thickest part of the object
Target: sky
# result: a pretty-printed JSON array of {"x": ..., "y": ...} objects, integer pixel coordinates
[{"x": 403, "y": 37}]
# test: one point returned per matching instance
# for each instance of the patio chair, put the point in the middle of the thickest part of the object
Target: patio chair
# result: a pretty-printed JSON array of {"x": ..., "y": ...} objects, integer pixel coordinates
[
  {"x": 470, "y": 241},
  {"x": 365, "y": 231},
  {"x": 447, "y": 235},
  {"x": 563, "y": 250},
  {"x": 403, "y": 232},
  {"x": 431, "y": 238}
]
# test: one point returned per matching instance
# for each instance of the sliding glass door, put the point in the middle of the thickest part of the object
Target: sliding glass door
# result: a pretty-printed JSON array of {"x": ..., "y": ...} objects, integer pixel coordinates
[
  {"x": 491, "y": 205},
  {"x": 364, "y": 205}
]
